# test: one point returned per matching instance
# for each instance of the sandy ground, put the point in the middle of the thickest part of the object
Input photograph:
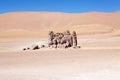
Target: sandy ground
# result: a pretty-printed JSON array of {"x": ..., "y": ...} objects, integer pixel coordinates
[
  {"x": 97, "y": 59},
  {"x": 94, "y": 64},
  {"x": 88, "y": 42}
]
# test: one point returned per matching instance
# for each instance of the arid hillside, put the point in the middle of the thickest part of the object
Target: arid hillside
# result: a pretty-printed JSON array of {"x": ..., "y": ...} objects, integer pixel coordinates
[{"x": 33, "y": 23}]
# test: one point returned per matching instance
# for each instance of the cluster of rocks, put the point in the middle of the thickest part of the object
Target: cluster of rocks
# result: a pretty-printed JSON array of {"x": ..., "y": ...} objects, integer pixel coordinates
[
  {"x": 58, "y": 40},
  {"x": 63, "y": 40},
  {"x": 34, "y": 47}
]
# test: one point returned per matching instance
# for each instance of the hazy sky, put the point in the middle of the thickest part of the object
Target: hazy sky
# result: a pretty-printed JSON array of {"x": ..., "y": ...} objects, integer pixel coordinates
[{"x": 67, "y": 6}]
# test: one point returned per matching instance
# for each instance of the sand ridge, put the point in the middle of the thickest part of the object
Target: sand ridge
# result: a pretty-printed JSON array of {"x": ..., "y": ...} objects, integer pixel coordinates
[{"x": 29, "y": 24}]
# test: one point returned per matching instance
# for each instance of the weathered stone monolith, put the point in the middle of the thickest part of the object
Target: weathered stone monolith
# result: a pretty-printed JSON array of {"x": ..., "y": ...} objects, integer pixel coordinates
[{"x": 74, "y": 35}]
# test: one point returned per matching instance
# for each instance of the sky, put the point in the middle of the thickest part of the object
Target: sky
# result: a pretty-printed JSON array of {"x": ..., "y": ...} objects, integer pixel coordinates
[{"x": 66, "y": 6}]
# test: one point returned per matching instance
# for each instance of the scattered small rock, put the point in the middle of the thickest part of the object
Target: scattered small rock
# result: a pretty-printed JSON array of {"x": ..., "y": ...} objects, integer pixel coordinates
[
  {"x": 35, "y": 47},
  {"x": 24, "y": 49},
  {"x": 28, "y": 48}
]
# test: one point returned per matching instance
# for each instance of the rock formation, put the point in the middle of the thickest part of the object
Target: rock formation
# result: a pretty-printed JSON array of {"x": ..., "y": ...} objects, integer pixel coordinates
[
  {"x": 74, "y": 35},
  {"x": 62, "y": 40},
  {"x": 58, "y": 40}
]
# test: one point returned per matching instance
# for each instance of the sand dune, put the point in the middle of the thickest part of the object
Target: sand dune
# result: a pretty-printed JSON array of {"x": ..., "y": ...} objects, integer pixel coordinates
[{"x": 41, "y": 22}]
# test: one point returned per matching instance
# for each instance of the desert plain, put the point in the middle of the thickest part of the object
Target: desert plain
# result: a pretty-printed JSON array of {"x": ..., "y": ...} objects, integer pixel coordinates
[{"x": 98, "y": 35}]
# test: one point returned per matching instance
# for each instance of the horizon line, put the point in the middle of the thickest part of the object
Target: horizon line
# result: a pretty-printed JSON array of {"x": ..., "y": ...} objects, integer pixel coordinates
[{"x": 58, "y": 12}]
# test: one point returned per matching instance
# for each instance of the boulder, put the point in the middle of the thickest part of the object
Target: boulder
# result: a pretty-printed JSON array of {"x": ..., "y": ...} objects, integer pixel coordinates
[
  {"x": 24, "y": 49},
  {"x": 34, "y": 47}
]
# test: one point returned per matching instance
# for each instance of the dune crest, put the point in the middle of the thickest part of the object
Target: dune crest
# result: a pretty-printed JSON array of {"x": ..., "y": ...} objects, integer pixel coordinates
[{"x": 40, "y": 22}]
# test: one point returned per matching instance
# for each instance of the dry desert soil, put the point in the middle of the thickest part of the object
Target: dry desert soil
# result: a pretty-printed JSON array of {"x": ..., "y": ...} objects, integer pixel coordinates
[{"x": 97, "y": 59}]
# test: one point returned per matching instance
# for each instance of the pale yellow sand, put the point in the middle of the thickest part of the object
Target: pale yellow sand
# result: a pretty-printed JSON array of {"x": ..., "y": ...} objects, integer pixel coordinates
[
  {"x": 97, "y": 59},
  {"x": 37, "y": 24},
  {"x": 66, "y": 64}
]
